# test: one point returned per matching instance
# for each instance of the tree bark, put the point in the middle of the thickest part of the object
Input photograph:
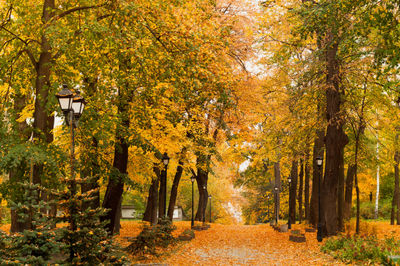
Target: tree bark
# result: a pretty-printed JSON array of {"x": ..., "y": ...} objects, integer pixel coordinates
[
  {"x": 300, "y": 193},
  {"x": 348, "y": 200},
  {"x": 335, "y": 138},
  {"x": 174, "y": 190},
  {"x": 201, "y": 179},
  {"x": 43, "y": 120},
  {"x": 292, "y": 191},
  {"x": 318, "y": 151},
  {"x": 115, "y": 187},
  {"x": 151, "y": 212},
  {"x": 341, "y": 193}
]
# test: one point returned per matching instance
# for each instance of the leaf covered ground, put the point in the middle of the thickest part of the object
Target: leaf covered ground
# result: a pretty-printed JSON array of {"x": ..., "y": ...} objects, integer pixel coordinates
[
  {"x": 244, "y": 245},
  {"x": 238, "y": 245}
]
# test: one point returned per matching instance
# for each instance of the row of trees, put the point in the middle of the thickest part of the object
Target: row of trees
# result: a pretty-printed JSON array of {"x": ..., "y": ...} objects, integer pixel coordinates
[
  {"x": 159, "y": 77},
  {"x": 331, "y": 90}
]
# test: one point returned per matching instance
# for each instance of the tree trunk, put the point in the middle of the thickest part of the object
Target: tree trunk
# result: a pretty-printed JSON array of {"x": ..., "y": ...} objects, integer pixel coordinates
[
  {"x": 348, "y": 200},
  {"x": 318, "y": 151},
  {"x": 307, "y": 185},
  {"x": 341, "y": 193},
  {"x": 115, "y": 187},
  {"x": 201, "y": 179},
  {"x": 174, "y": 190},
  {"x": 151, "y": 212},
  {"x": 43, "y": 122},
  {"x": 292, "y": 191},
  {"x": 300, "y": 193},
  {"x": 335, "y": 138}
]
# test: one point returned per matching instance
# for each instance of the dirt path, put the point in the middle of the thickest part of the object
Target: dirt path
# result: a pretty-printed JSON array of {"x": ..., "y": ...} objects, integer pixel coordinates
[{"x": 248, "y": 245}]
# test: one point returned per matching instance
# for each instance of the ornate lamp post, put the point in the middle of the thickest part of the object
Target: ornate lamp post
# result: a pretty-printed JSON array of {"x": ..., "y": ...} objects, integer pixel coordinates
[
  {"x": 290, "y": 205},
  {"x": 165, "y": 160},
  {"x": 319, "y": 161},
  {"x": 72, "y": 106},
  {"x": 209, "y": 197},
  {"x": 192, "y": 223}
]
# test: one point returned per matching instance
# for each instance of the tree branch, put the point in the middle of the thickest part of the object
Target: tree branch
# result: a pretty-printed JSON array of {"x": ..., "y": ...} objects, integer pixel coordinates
[{"x": 69, "y": 11}]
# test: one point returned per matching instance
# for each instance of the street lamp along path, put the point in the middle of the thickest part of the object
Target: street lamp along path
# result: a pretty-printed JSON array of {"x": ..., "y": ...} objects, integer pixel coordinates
[{"x": 72, "y": 105}]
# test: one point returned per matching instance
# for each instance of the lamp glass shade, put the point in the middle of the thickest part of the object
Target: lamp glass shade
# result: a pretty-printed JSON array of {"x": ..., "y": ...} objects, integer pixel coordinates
[
  {"x": 276, "y": 188},
  {"x": 192, "y": 179},
  {"x": 165, "y": 159},
  {"x": 319, "y": 161},
  {"x": 64, "y": 98},
  {"x": 290, "y": 179},
  {"x": 209, "y": 196}
]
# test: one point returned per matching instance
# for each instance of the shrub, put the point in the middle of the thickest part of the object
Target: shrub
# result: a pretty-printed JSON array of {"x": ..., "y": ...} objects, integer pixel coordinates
[
  {"x": 361, "y": 248},
  {"x": 152, "y": 237}
]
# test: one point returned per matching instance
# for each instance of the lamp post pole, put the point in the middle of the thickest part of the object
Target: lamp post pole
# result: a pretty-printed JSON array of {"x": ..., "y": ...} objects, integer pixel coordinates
[
  {"x": 319, "y": 227},
  {"x": 73, "y": 208},
  {"x": 192, "y": 223},
  {"x": 165, "y": 160},
  {"x": 72, "y": 105}
]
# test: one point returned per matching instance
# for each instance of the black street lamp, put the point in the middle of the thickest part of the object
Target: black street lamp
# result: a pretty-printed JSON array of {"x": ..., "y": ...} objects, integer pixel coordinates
[
  {"x": 165, "y": 160},
  {"x": 319, "y": 161},
  {"x": 290, "y": 205},
  {"x": 209, "y": 197},
  {"x": 72, "y": 105},
  {"x": 276, "y": 189},
  {"x": 192, "y": 179}
]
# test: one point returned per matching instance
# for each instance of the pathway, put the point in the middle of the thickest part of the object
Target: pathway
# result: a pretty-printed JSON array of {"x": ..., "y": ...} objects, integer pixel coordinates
[{"x": 248, "y": 245}]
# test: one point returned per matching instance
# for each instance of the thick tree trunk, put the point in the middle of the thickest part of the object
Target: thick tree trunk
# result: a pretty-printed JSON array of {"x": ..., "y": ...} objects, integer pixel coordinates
[
  {"x": 335, "y": 138},
  {"x": 341, "y": 193},
  {"x": 292, "y": 191},
  {"x": 318, "y": 151},
  {"x": 201, "y": 179},
  {"x": 307, "y": 185},
  {"x": 174, "y": 190},
  {"x": 43, "y": 122},
  {"x": 115, "y": 187},
  {"x": 348, "y": 200},
  {"x": 151, "y": 212},
  {"x": 300, "y": 193}
]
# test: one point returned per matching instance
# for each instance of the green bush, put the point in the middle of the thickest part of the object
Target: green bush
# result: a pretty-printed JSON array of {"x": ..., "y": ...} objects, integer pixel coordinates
[
  {"x": 152, "y": 237},
  {"x": 361, "y": 249}
]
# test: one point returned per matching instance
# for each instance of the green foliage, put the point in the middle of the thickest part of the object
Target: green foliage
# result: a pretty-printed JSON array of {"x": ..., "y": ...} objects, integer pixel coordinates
[
  {"x": 36, "y": 245},
  {"x": 151, "y": 237},
  {"x": 355, "y": 248},
  {"x": 89, "y": 242}
]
